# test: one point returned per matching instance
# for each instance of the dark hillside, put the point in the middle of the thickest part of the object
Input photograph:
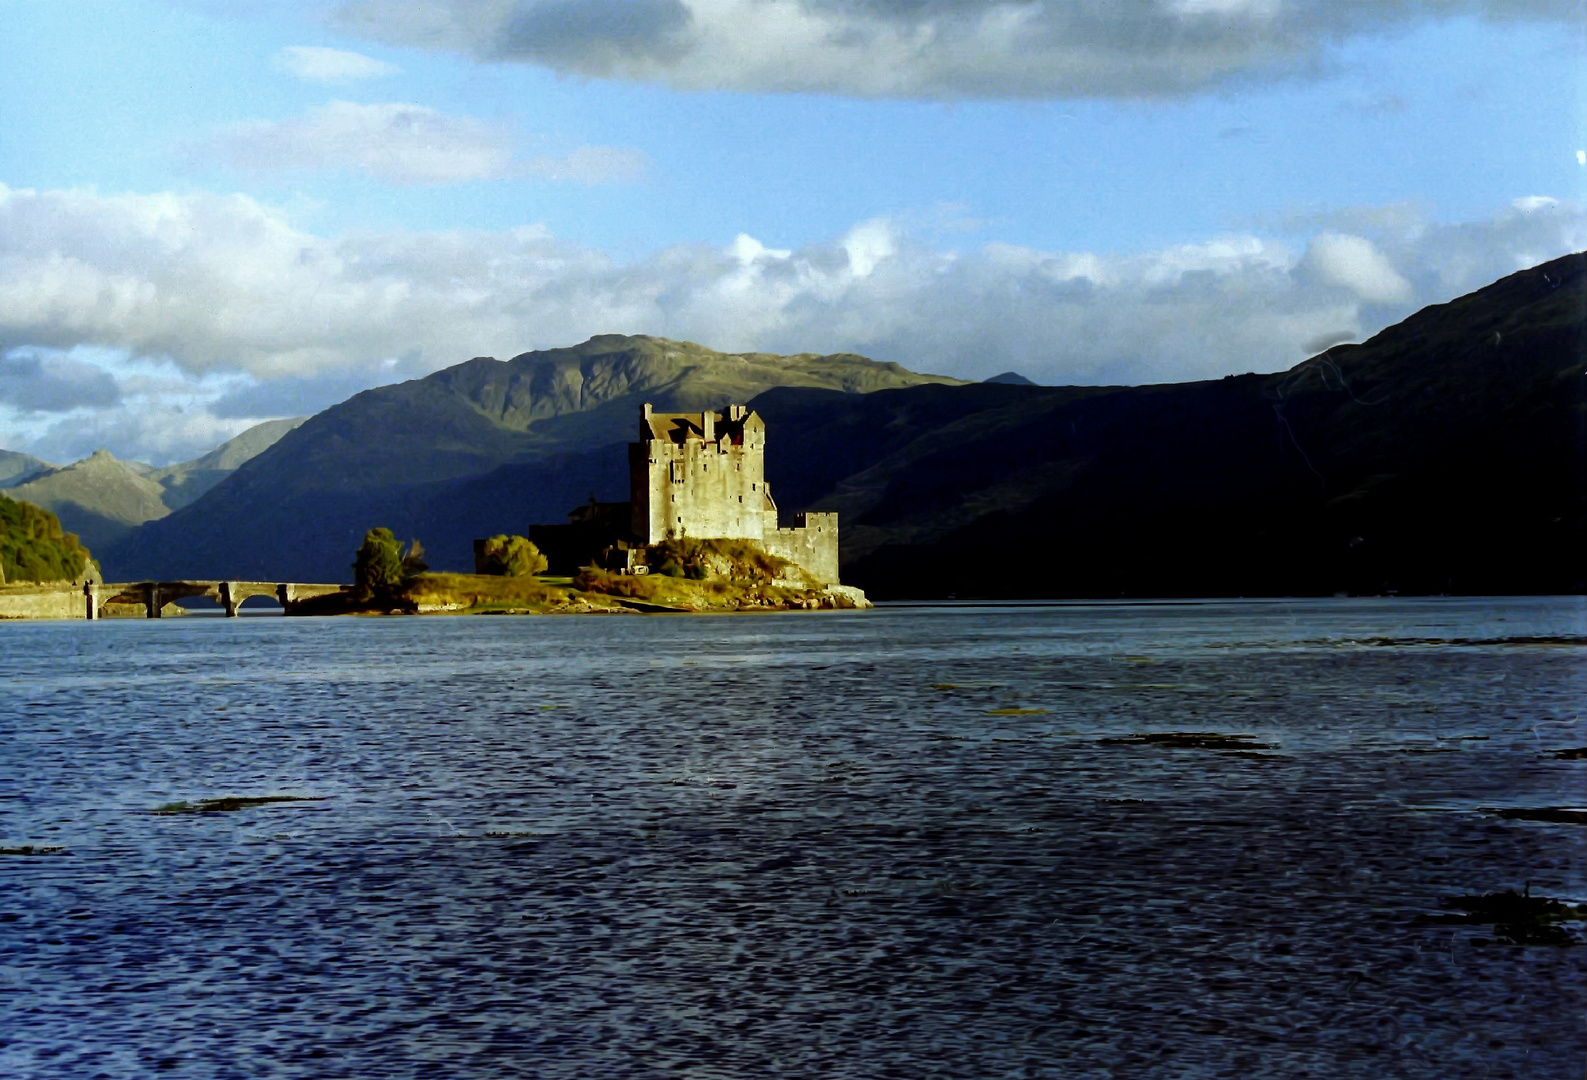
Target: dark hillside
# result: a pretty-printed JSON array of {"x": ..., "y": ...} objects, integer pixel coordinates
[{"x": 1444, "y": 455}]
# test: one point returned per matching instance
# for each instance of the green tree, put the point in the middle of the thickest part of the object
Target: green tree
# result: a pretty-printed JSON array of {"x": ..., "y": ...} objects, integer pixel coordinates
[
  {"x": 513, "y": 556},
  {"x": 33, "y": 547},
  {"x": 381, "y": 568}
]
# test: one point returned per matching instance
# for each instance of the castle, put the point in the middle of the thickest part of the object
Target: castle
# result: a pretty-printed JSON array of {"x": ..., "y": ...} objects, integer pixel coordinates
[{"x": 700, "y": 475}]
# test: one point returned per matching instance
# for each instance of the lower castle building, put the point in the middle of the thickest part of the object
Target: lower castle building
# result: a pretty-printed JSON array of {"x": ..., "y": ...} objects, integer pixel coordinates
[{"x": 700, "y": 475}]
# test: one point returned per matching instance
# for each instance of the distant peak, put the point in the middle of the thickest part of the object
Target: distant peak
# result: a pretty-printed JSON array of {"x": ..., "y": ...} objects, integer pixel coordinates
[{"x": 1010, "y": 378}]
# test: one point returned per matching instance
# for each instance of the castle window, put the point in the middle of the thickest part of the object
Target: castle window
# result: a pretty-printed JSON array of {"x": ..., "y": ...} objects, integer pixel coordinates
[{"x": 677, "y": 472}]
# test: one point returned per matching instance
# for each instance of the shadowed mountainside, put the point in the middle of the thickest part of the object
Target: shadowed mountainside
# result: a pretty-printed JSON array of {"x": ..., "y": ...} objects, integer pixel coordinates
[
  {"x": 1446, "y": 454},
  {"x": 484, "y": 447}
]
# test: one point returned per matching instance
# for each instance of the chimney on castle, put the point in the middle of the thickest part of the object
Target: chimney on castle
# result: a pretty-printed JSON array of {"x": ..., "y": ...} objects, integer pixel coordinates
[
  {"x": 644, "y": 422},
  {"x": 708, "y": 425}
]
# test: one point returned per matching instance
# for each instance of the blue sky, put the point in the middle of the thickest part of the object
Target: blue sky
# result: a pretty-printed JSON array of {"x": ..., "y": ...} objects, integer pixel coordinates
[{"x": 214, "y": 214}]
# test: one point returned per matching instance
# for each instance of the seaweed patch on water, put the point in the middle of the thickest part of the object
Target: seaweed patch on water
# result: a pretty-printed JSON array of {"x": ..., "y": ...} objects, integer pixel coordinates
[
  {"x": 1016, "y": 712},
  {"x": 1194, "y": 740},
  {"x": 1556, "y": 815},
  {"x": 1517, "y": 918},
  {"x": 229, "y": 803},
  {"x": 1570, "y": 753},
  {"x": 35, "y": 849}
]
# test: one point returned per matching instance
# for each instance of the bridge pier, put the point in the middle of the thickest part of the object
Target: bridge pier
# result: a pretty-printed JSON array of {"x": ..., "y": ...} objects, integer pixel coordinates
[
  {"x": 91, "y": 600},
  {"x": 151, "y": 600},
  {"x": 228, "y": 598}
]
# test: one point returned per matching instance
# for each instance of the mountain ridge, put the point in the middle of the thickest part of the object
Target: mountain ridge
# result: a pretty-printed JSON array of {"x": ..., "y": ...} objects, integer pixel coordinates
[
  {"x": 401, "y": 455},
  {"x": 1446, "y": 453},
  {"x": 102, "y": 498}
]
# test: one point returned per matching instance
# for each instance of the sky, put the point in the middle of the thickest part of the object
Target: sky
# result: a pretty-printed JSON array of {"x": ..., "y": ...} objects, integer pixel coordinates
[{"x": 217, "y": 212}]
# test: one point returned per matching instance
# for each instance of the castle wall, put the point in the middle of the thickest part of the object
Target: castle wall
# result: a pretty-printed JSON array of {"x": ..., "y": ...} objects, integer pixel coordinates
[{"x": 812, "y": 543}]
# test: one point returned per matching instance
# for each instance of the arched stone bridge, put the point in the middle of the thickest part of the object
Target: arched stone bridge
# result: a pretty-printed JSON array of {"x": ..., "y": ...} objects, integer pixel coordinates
[{"x": 154, "y": 595}]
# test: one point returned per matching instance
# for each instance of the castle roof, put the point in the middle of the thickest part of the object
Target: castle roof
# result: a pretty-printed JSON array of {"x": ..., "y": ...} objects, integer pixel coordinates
[{"x": 728, "y": 424}]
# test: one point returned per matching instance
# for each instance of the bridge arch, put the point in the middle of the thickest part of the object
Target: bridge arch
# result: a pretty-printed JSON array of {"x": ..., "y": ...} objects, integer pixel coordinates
[{"x": 230, "y": 595}]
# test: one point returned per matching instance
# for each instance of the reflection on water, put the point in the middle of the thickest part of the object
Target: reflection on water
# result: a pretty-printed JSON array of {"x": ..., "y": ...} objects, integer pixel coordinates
[{"x": 911, "y": 842}]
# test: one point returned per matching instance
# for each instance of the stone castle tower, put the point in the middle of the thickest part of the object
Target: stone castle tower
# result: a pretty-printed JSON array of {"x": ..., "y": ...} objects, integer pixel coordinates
[{"x": 704, "y": 475}]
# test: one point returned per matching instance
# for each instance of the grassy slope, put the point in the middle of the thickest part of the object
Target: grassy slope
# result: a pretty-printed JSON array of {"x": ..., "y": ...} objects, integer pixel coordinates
[{"x": 591, "y": 592}]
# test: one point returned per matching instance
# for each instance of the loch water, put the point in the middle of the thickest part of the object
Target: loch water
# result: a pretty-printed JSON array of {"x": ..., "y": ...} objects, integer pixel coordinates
[{"x": 894, "y": 843}]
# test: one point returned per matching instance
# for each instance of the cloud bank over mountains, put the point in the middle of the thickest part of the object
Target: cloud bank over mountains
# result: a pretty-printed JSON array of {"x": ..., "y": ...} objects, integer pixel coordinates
[
  {"x": 255, "y": 316},
  {"x": 935, "y": 49}
]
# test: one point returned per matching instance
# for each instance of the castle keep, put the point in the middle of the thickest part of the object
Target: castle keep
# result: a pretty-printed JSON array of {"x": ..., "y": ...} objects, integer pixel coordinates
[{"x": 699, "y": 475}]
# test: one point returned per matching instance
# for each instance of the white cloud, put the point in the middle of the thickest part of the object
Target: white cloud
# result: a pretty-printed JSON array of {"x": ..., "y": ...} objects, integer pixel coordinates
[
  {"x": 590, "y": 165},
  {"x": 867, "y": 245},
  {"x": 404, "y": 144},
  {"x": 151, "y": 432},
  {"x": 400, "y": 143},
  {"x": 260, "y": 317},
  {"x": 917, "y": 48},
  {"x": 748, "y": 250},
  {"x": 1355, "y": 264},
  {"x": 317, "y": 64},
  {"x": 1252, "y": 9}
]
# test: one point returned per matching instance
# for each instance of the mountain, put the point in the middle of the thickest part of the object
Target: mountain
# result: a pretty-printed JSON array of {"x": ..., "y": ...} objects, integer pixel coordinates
[
  {"x": 187, "y": 482},
  {"x": 18, "y": 468},
  {"x": 1010, "y": 378},
  {"x": 1446, "y": 454},
  {"x": 99, "y": 498},
  {"x": 484, "y": 447},
  {"x": 102, "y": 498}
]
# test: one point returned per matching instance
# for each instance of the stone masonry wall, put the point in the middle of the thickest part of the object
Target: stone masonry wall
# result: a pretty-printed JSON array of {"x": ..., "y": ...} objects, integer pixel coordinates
[
  {"x": 43, "y": 602},
  {"x": 700, "y": 489},
  {"x": 812, "y": 543}
]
